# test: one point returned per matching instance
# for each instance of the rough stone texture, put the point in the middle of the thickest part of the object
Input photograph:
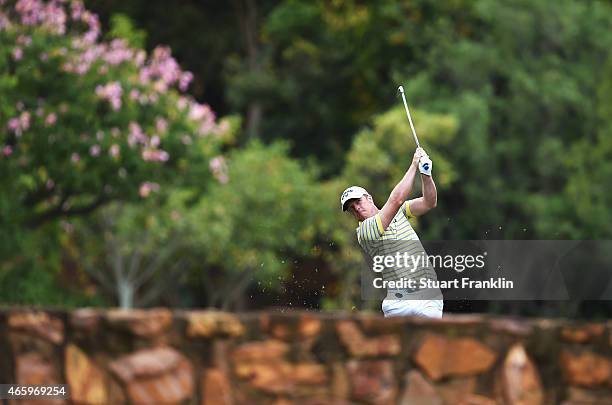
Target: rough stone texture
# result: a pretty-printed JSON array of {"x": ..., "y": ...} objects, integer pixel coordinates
[
  {"x": 456, "y": 390},
  {"x": 216, "y": 389},
  {"x": 34, "y": 369},
  {"x": 520, "y": 379},
  {"x": 279, "y": 376},
  {"x": 39, "y": 324},
  {"x": 260, "y": 351},
  {"x": 160, "y": 375},
  {"x": 474, "y": 399},
  {"x": 88, "y": 384},
  {"x": 309, "y": 327},
  {"x": 142, "y": 323},
  {"x": 305, "y": 358},
  {"x": 510, "y": 326},
  {"x": 439, "y": 356},
  {"x": 582, "y": 334},
  {"x": 264, "y": 366},
  {"x": 372, "y": 381},
  {"x": 417, "y": 390},
  {"x": 580, "y": 396},
  {"x": 86, "y": 320},
  {"x": 586, "y": 368},
  {"x": 213, "y": 323},
  {"x": 360, "y": 346},
  {"x": 340, "y": 385}
]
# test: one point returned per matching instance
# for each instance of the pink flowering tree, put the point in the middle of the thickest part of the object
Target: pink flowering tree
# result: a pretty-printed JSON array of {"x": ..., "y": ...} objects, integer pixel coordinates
[{"x": 84, "y": 122}]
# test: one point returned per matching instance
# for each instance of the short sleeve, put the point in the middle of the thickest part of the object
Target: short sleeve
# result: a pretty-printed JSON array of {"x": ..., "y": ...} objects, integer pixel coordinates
[
  {"x": 370, "y": 230},
  {"x": 406, "y": 209}
]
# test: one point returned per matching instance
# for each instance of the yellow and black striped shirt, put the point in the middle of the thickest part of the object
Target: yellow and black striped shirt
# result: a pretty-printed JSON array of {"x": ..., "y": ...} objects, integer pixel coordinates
[{"x": 399, "y": 237}]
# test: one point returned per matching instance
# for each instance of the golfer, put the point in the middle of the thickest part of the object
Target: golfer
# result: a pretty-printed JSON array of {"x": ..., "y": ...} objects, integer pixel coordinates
[{"x": 387, "y": 232}]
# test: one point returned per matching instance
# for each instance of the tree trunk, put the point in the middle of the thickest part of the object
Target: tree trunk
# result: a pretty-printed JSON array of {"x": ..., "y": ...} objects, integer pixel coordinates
[{"x": 246, "y": 12}]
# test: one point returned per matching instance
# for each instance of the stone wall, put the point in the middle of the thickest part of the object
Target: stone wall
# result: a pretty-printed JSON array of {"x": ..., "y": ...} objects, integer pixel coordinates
[{"x": 205, "y": 357}]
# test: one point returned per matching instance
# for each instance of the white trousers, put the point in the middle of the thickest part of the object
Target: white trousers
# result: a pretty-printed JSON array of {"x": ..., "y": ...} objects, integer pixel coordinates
[{"x": 420, "y": 308}]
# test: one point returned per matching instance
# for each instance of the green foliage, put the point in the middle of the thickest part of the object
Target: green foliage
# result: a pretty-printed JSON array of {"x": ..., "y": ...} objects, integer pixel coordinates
[
  {"x": 247, "y": 228},
  {"x": 121, "y": 26},
  {"x": 32, "y": 275}
]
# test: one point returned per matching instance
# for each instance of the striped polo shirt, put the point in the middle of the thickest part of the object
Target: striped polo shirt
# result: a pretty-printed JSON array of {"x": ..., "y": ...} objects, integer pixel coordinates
[{"x": 399, "y": 237}]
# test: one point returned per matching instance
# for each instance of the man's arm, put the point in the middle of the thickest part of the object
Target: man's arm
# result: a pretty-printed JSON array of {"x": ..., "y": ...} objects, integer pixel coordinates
[
  {"x": 429, "y": 200},
  {"x": 400, "y": 192}
]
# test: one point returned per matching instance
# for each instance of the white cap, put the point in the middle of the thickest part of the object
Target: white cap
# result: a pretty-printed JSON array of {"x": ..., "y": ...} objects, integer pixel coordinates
[{"x": 350, "y": 193}]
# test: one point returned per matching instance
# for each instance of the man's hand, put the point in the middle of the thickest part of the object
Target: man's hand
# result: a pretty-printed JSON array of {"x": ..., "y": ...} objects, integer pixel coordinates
[
  {"x": 422, "y": 161},
  {"x": 418, "y": 153}
]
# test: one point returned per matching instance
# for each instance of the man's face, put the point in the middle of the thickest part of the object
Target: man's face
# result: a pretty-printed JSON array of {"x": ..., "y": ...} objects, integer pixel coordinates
[{"x": 362, "y": 208}]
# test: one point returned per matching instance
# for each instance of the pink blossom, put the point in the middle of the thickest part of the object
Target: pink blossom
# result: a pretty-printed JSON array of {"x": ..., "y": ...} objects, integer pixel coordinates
[
  {"x": 114, "y": 150},
  {"x": 77, "y": 10},
  {"x": 50, "y": 184},
  {"x": 197, "y": 112},
  {"x": 216, "y": 163},
  {"x": 185, "y": 79},
  {"x": 163, "y": 67},
  {"x": 5, "y": 23},
  {"x": 24, "y": 120},
  {"x": 115, "y": 132},
  {"x": 155, "y": 155},
  {"x": 75, "y": 158},
  {"x": 140, "y": 58},
  {"x": 218, "y": 167},
  {"x": 93, "y": 23},
  {"x": 44, "y": 56},
  {"x": 118, "y": 52},
  {"x": 14, "y": 125},
  {"x": 136, "y": 134},
  {"x": 134, "y": 94},
  {"x": 94, "y": 150},
  {"x": 161, "y": 125},
  {"x": 17, "y": 54},
  {"x": 24, "y": 40},
  {"x": 7, "y": 150},
  {"x": 51, "y": 119},
  {"x": 154, "y": 141},
  {"x": 182, "y": 103},
  {"x": 111, "y": 92},
  {"x": 50, "y": 15},
  {"x": 147, "y": 187}
]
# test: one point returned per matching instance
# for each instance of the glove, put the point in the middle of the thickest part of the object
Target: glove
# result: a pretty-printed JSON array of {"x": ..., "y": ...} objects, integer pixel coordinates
[{"x": 425, "y": 165}]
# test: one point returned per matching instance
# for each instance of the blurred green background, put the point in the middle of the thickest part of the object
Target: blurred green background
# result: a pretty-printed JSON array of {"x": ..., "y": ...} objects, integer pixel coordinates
[{"x": 123, "y": 185}]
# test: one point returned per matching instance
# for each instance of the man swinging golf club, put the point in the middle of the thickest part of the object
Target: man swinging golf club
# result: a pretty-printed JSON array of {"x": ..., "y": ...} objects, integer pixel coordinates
[{"x": 387, "y": 233}]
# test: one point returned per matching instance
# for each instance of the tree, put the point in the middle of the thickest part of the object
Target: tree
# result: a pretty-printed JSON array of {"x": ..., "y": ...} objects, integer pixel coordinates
[
  {"x": 84, "y": 122},
  {"x": 265, "y": 210},
  {"x": 130, "y": 250}
]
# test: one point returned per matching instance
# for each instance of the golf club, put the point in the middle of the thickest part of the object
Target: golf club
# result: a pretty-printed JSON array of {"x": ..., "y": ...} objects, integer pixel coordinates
[{"x": 401, "y": 89}]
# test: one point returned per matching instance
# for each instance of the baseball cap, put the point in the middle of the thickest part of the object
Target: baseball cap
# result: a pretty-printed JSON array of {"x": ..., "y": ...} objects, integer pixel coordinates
[{"x": 350, "y": 193}]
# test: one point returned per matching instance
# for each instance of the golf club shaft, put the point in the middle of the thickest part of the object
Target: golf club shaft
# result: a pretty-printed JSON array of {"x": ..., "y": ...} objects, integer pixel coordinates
[{"x": 401, "y": 89}]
